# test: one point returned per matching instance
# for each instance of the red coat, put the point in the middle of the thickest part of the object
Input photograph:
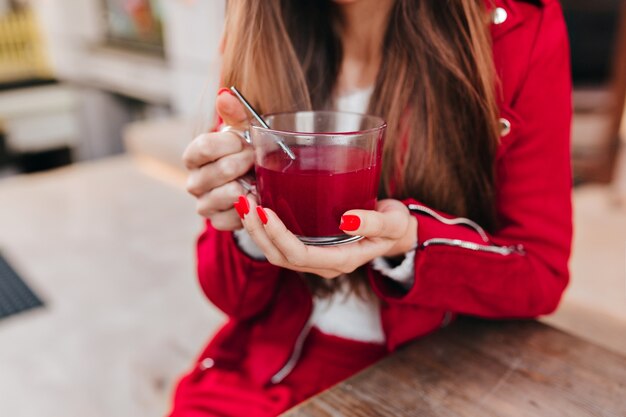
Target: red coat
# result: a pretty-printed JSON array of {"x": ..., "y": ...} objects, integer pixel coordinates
[{"x": 522, "y": 270}]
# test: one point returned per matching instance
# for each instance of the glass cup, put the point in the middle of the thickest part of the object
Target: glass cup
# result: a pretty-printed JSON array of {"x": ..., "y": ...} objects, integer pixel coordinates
[{"x": 336, "y": 168}]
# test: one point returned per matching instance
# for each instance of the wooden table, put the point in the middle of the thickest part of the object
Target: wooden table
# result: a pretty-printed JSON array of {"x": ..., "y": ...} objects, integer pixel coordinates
[{"x": 481, "y": 368}]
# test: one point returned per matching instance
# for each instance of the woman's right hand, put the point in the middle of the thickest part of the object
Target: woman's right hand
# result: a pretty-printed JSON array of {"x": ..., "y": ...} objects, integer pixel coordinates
[{"x": 215, "y": 161}]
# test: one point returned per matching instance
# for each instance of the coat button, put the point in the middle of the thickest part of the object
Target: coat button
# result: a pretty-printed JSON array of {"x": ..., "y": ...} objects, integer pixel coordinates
[
  {"x": 499, "y": 16},
  {"x": 505, "y": 127},
  {"x": 206, "y": 363}
]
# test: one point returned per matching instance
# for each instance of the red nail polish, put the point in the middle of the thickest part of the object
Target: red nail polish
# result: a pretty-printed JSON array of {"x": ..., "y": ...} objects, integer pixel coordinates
[
  {"x": 224, "y": 90},
  {"x": 239, "y": 210},
  {"x": 244, "y": 204},
  {"x": 262, "y": 214},
  {"x": 350, "y": 223}
]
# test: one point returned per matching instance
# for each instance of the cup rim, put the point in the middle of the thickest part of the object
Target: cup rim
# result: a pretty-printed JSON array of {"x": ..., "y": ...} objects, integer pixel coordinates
[{"x": 383, "y": 124}]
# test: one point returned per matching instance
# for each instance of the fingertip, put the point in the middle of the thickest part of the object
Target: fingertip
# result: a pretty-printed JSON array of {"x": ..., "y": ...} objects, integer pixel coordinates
[
  {"x": 239, "y": 209},
  {"x": 230, "y": 109},
  {"x": 224, "y": 90},
  {"x": 252, "y": 203},
  {"x": 223, "y": 104},
  {"x": 350, "y": 223},
  {"x": 262, "y": 214},
  {"x": 273, "y": 220}
]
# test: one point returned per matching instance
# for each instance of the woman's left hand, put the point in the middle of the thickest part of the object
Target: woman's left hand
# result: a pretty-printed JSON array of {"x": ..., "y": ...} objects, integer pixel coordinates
[{"x": 389, "y": 231}]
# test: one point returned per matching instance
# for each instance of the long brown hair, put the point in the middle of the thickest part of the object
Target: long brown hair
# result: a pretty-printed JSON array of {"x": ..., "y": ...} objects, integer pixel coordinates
[{"x": 435, "y": 87}]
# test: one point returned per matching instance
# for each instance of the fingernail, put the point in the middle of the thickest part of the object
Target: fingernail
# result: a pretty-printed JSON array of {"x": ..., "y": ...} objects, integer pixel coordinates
[
  {"x": 349, "y": 223},
  {"x": 262, "y": 214},
  {"x": 244, "y": 204},
  {"x": 239, "y": 210},
  {"x": 224, "y": 90}
]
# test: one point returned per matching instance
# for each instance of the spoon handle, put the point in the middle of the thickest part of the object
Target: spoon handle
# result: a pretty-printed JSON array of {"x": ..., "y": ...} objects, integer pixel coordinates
[{"x": 258, "y": 117}]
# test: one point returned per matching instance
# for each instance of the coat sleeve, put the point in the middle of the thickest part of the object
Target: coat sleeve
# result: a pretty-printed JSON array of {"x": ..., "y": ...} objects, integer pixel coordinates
[
  {"x": 522, "y": 269},
  {"x": 237, "y": 284}
]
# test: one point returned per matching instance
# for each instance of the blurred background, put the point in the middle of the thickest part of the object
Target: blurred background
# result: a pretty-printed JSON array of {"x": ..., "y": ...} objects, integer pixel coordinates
[{"x": 99, "y": 307}]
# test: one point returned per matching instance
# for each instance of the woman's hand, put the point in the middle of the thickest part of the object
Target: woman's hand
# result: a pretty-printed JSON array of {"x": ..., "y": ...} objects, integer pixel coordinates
[
  {"x": 215, "y": 161},
  {"x": 389, "y": 231}
]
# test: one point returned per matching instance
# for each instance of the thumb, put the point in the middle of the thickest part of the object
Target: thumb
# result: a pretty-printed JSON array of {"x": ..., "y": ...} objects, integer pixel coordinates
[
  {"x": 231, "y": 110},
  {"x": 390, "y": 220}
]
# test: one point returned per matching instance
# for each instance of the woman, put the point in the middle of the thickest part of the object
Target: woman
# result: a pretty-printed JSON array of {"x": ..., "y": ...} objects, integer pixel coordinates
[{"x": 475, "y": 216}]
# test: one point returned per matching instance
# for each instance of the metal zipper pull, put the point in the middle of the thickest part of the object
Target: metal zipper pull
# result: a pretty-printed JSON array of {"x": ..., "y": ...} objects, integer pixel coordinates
[
  {"x": 295, "y": 354},
  {"x": 502, "y": 250}
]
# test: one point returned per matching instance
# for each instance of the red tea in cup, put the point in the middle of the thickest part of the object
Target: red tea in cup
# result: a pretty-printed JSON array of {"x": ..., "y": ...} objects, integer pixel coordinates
[{"x": 310, "y": 201}]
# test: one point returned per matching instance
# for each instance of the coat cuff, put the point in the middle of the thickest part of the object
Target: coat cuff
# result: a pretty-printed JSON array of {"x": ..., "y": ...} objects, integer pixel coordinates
[
  {"x": 432, "y": 226},
  {"x": 404, "y": 273},
  {"x": 246, "y": 245}
]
